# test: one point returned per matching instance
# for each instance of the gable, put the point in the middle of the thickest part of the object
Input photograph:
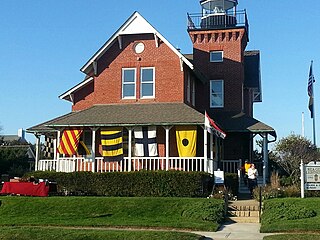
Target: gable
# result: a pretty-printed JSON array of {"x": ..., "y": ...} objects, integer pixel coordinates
[{"x": 136, "y": 24}]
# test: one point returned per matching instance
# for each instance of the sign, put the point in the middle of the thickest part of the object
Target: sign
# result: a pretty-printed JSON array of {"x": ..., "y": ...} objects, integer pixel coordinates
[
  {"x": 310, "y": 176},
  {"x": 312, "y": 186},
  {"x": 218, "y": 177},
  {"x": 312, "y": 173}
]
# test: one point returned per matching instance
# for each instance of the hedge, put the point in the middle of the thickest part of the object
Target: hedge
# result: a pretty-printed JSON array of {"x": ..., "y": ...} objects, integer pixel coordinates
[{"x": 131, "y": 184}]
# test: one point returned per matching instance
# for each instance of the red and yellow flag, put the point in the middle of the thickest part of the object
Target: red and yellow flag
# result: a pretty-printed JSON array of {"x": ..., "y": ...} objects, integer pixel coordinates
[{"x": 69, "y": 142}]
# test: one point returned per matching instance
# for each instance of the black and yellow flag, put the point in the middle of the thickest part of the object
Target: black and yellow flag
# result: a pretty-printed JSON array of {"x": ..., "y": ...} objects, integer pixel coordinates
[
  {"x": 186, "y": 140},
  {"x": 112, "y": 144}
]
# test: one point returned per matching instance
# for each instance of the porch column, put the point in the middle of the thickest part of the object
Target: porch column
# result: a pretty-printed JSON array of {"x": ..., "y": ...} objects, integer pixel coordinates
[
  {"x": 129, "y": 149},
  {"x": 211, "y": 165},
  {"x": 205, "y": 149},
  {"x": 167, "y": 128},
  {"x": 37, "y": 152},
  {"x": 58, "y": 155},
  {"x": 265, "y": 158},
  {"x": 93, "y": 150},
  {"x": 55, "y": 146}
]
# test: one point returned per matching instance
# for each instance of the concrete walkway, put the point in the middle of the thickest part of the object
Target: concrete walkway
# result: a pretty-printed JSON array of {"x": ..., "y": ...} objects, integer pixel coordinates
[{"x": 236, "y": 231}]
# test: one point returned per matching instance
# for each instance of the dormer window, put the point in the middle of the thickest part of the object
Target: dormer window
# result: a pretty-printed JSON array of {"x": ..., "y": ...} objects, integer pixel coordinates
[{"x": 216, "y": 56}]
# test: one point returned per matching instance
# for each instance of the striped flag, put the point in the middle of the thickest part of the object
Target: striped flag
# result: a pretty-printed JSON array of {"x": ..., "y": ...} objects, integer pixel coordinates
[
  {"x": 112, "y": 144},
  {"x": 69, "y": 142},
  {"x": 146, "y": 141},
  {"x": 311, "y": 80}
]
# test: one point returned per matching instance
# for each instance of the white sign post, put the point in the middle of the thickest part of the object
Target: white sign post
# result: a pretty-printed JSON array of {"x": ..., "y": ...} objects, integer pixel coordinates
[{"x": 310, "y": 177}]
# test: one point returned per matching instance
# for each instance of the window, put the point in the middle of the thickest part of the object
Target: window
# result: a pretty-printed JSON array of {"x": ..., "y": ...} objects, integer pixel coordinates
[
  {"x": 128, "y": 83},
  {"x": 216, "y": 94},
  {"x": 216, "y": 56},
  {"x": 147, "y": 82}
]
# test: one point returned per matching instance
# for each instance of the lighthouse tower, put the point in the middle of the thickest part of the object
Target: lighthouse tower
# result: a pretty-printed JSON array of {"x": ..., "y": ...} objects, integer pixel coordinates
[{"x": 220, "y": 35}]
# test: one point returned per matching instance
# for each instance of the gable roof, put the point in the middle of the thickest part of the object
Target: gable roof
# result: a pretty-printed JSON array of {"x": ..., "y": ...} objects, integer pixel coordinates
[
  {"x": 136, "y": 24},
  {"x": 67, "y": 95}
]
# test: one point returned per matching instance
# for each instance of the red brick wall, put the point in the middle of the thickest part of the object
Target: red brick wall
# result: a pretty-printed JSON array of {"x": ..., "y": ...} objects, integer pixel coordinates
[
  {"x": 232, "y": 42},
  {"x": 169, "y": 79}
]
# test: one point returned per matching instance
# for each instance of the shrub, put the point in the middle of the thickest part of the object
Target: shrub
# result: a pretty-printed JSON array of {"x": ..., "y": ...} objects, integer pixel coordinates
[
  {"x": 232, "y": 182},
  {"x": 138, "y": 184}
]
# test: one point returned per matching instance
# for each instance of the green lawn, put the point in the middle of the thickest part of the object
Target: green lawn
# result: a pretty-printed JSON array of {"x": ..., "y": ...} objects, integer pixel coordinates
[
  {"x": 293, "y": 237},
  {"x": 172, "y": 213},
  {"x": 40, "y": 233},
  {"x": 291, "y": 215}
]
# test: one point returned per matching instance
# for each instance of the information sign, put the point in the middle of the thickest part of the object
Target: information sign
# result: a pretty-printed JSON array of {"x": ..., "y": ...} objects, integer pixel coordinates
[{"x": 218, "y": 177}]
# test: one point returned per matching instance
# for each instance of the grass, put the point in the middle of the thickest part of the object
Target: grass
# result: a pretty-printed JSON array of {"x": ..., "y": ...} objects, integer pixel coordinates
[
  {"x": 291, "y": 215},
  {"x": 293, "y": 237},
  {"x": 162, "y": 213},
  {"x": 35, "y": 233}
]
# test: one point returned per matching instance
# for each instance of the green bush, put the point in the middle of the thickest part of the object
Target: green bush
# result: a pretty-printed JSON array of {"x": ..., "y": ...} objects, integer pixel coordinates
[
  {"x": 232, "y": 182},
  {"x": 137, "y": 184}
]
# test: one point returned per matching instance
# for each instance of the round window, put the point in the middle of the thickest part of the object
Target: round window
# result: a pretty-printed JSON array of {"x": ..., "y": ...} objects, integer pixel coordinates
[{"x": 139, "y": 47}]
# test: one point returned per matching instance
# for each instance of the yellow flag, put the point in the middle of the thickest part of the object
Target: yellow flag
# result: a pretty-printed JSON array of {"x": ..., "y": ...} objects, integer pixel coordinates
[{"x": 186, "y": 140}]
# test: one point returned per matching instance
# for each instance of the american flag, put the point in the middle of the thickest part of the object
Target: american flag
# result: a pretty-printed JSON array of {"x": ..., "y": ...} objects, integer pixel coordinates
[{"x": 310, "y": 90}]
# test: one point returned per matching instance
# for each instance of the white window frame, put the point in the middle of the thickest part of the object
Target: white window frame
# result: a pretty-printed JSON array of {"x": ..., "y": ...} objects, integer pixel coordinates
[
  {"x": 130, "y": 83},
  {"x": 148, "y": 82},
  {"x": 222, "y": 93},
  {"x": 218, "y": 60}
]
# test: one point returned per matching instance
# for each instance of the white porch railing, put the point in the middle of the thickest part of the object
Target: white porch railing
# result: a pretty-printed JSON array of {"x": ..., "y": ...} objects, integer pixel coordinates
[{"x": 196, "y": 164}]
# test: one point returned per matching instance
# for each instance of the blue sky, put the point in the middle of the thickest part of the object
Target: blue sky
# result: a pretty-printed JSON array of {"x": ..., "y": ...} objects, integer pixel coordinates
[{"x": 43, "y": 44}]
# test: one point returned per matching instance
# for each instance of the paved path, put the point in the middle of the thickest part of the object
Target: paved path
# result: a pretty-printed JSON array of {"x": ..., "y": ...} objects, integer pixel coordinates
[{"x": 236, "y": 231}]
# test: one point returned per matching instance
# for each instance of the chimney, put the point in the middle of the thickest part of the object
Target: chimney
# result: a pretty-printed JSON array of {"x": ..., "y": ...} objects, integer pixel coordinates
[{"x": 21, "y": 134}]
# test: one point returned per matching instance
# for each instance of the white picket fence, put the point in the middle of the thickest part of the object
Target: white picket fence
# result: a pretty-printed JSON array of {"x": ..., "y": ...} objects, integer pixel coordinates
[{"x": 196, "y": 164}]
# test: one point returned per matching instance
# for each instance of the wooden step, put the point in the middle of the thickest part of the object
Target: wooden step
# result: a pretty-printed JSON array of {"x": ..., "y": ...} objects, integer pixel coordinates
[
  {"x": 243, "y": 219},
  {"x": 243, "y": 213}
]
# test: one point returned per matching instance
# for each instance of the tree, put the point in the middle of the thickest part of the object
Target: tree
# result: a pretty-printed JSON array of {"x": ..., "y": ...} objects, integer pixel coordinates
[{"x": 291, "y": 150}]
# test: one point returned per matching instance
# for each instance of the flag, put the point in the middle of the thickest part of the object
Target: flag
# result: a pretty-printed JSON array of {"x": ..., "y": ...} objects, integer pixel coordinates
[
  {"x": 310, "y": 90},
  {"x": 48, "y": 147},
  {"x": 186, "y": 140},
  {"x": 83, "y": 149},
  {"x": 146, "y": 141},
  {"x": 112, "y": 144},
  {"x": 212, "y": 127},
  {"x": 69, "y": 142}
]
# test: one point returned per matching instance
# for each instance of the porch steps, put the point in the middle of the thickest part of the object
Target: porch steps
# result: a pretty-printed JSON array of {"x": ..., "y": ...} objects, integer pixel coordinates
[
  {"x": 243, "y": 211},
  {"x": 243, "y": 189}
]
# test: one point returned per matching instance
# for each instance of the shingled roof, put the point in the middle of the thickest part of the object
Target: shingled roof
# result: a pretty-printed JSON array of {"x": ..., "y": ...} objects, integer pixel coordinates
[
  {"x": 241, "y": 122},
  {"x": 127, "y": 115}
]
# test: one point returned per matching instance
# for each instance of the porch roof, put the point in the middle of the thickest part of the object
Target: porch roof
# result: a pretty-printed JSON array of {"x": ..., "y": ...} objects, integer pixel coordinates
[
  {"x": 126, "y": 115},
  {"x": 241, "y": 122}
]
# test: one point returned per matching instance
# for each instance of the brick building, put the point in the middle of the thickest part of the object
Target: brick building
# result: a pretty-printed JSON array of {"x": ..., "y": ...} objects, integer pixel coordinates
[{"x": 138, "y": 80}]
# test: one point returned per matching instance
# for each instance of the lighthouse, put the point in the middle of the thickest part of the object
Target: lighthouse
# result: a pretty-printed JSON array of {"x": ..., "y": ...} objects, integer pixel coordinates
[{"x": 219, "y": 34}]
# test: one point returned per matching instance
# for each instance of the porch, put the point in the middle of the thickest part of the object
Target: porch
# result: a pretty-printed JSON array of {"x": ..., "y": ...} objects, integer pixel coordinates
[{"x": 195, "y": 164}]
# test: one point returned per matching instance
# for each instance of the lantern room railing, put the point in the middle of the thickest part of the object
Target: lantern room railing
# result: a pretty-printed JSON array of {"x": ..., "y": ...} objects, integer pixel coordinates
[{"x": 199, "y": 21}]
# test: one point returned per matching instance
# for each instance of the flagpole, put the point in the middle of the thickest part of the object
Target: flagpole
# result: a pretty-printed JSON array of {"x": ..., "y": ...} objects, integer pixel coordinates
[
  {"x": 302, "y": 124},
  {"x": 314, "y": 114}
]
